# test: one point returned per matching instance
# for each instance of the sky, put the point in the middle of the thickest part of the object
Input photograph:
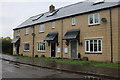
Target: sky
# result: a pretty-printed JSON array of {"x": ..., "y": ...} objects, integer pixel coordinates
[{"x": 14, "y": 12}]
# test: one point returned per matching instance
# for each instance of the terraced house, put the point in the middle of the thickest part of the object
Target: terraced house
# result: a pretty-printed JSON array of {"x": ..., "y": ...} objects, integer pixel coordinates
[{"x": 87, "y": 30}]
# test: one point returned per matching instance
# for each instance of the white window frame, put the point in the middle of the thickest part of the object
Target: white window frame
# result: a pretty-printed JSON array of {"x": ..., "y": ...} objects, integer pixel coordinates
[
  {"x": 38, "y": 47},
  {"x": 24, "y": 46},
  {"x": 26, "y": 30},
  {"x": 17, "y": 32},
  {"x": 73, "y": 21},
  {"x": 93, "y": 19},
  {"x": 42, "y": 28},
  {"x": 93, "y": 46},
  {"x": 53, "y": 25}
]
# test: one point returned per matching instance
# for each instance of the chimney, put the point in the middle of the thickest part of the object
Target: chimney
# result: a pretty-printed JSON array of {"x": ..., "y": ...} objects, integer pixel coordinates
[{"x": 51, "y": 8}]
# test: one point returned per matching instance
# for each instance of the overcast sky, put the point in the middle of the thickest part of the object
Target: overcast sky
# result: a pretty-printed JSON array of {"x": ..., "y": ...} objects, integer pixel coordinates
[{"x": 14, "y": 12}]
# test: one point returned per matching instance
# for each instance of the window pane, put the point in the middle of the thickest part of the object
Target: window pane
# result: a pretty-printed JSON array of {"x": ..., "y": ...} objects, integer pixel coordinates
[
  {"x": 95, "y": 45},
  {"x": 27, "y": 31},
  {"x": 73, "y": 21},
  {"x": 96, "y": 16},
  {"x": 38, "y": 46},
  {"x": 26, "y": 46},
  {"x": 53, "y": 24},
  {"x": 99, "y": 45},
  {"x": 42, "y": 28},
  {"x": 87, "y": 45},
  {"x": 91, "y": 45},
  {"x": 43, "y": 46},
  {"x": 91, "y": 19}
]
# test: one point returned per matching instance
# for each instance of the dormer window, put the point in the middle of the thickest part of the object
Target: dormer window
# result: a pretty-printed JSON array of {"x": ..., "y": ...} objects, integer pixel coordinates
[
  {"x": 73, "y": 21},
  {"x": 94, "y": 19}
]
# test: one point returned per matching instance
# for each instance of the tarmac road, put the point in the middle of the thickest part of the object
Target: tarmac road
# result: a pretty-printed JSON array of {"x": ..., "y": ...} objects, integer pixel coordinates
[{"x": 10, "y": 70}]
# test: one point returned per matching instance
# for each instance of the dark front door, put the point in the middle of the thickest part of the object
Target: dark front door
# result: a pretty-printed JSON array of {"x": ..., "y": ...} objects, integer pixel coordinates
[
  {"x": 17, "y": 48},
  {"x": 53, "y": 49},
  {"x": 73, "y": 49}
]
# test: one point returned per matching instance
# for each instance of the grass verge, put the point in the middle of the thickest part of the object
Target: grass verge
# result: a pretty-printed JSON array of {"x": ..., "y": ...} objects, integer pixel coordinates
[{"x": 78, "y": 62}]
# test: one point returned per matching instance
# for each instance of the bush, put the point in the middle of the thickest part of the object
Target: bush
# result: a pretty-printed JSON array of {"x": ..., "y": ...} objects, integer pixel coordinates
[{"x": 7, "y": 45}]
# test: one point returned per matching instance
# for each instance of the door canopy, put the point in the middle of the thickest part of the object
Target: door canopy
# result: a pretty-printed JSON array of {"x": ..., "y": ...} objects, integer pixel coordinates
[
  {"x": 53, "y": 36},
  {"x": 72, "y": 35}
]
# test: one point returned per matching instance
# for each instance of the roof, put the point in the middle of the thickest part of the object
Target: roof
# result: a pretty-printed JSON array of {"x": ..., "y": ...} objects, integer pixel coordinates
[{"x": 67, "y": 11}]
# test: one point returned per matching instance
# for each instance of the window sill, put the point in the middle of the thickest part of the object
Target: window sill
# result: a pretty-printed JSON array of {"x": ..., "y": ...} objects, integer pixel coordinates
[
  {"x": 93, "y": 52},
  {"x": 73, "y": 24},
  {"x": 26, "y": 50},
  {"x": 53, "y": 27},
  {"x": 94, "y": 24},
  {"x": 26, "y": 34},
  {"x": 41, "y": 51},
  {"x": 41, "y": 32}
]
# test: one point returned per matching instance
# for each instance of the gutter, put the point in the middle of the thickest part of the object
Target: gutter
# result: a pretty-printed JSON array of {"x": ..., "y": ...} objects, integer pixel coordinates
[
  {"x": 111, "y": 35},
  {"x": 33, "y": 34},
  {"x": 61, "y": 39}
]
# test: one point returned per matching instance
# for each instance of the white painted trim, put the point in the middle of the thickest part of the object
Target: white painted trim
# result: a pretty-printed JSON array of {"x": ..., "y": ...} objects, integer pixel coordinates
[
  {"x": 53, "y": 24},
  {"x": 94, "y": 19},
  {"x": 41, "y": 50},
  {"x": 27, "y": 30},
  {"x": 93, "y": 46},
  {"x": 73, "y": 18},
  {"x": 42, "y": 26},
  {"x": 89, "y": 38}
]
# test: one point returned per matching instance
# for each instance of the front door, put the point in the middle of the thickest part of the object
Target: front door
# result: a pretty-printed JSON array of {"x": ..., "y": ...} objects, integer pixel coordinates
[
  {"x": 17, "y": 49},
  {"x": 53, "y": 49},
  {"x": 74, "y": 49}
]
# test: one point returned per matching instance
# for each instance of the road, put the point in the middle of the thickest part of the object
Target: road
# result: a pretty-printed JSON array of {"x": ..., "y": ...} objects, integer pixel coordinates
[{"x": 10, "y": 70}]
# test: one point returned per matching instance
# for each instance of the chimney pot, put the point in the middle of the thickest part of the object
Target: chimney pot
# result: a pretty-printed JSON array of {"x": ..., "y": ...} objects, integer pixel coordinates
[{"x": 51, "y": 8}]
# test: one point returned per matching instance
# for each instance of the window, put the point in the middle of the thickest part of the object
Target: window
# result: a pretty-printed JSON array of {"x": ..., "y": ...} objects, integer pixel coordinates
[
  {"x": 53, "y": 24},
  {"x": 42, "y": 28},
  {"x": 26, "y": 30},
  {"x": 73, "y": 21},
  {"x": 93, "y": 45},
  {"x": 41, "y": 46},
  {"x": 26, "y": 46},
  {"x": 37, "y": 17},
  {"x": 52, "y": 13},
  {"x": 18, "y": 32},
  {"x": 93, "y": 19},
  {"x": 98, "y": 1}
]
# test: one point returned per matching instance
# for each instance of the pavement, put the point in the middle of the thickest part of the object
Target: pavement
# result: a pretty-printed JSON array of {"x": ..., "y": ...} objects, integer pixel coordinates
[
  {"x": 83, "y": 70},
  {"x": 10, "y": 70}
]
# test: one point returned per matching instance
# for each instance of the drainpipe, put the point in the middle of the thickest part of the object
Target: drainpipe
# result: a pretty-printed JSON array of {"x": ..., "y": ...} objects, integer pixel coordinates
[
  {"x": 33, "y": 35},
  {"x": 111, "y": 35},
  {"x": 61, "y": 39}
]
